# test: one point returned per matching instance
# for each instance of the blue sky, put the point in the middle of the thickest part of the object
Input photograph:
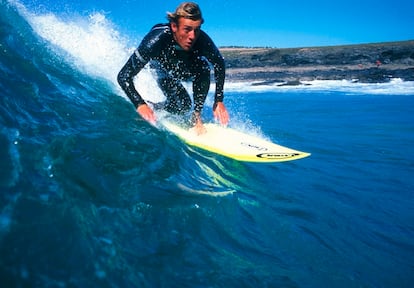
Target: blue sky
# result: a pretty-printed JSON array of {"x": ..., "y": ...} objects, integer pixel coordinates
[{"x": 270, "y": 23}]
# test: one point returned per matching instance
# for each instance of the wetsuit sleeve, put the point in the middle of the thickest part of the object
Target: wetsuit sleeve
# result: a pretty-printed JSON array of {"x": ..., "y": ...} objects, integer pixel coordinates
[
  {"x": 149, "y": 48},
  {"x": 219, "y": 76},
  {"x": 213, "y": 55},
  {"x": 126, "y": 76}
]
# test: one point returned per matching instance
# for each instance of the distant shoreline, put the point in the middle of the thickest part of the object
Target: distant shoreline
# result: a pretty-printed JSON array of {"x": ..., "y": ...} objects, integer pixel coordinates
[{"x": 366, "y": 63}]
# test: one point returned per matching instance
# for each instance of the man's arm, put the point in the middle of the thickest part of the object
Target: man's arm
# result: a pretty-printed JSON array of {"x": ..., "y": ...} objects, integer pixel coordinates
[
  {"x": 150, "y": 47},
  {"x": 216, "y": 59},
  {"x": 219, "y": 76},
  {"x": 126, "y": 80},
  {"x": 126, "y": 76},
  {"x": 213, "y": 55}
]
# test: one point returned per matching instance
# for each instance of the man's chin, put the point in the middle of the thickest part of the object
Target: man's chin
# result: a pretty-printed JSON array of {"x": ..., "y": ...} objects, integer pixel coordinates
[{"x": 188, "y": 47}]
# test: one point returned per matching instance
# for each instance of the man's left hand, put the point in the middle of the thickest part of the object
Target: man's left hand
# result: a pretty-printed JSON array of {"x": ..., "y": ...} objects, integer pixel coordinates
[{"x": 220, "y": 113}]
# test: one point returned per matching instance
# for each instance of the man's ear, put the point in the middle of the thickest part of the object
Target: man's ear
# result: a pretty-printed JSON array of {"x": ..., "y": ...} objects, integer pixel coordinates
[{"x": 174, "y": 27}]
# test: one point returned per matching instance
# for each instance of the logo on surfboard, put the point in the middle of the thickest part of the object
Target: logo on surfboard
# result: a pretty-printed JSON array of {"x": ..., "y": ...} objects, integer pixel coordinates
[
  {"x": 269, "y": 155},
  {"x": 253, "y": 146},
  {"x": 276, "y": 155}
]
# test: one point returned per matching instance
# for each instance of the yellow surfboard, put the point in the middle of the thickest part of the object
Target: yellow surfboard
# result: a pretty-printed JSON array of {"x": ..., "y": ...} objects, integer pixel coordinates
[{"x": 235, "y": 144}]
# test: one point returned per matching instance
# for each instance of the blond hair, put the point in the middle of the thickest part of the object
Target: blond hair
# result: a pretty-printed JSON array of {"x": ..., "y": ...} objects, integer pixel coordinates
[{"x": 187, "y": 10}]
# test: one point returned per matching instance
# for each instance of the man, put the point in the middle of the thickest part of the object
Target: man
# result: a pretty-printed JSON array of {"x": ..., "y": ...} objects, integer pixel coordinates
[{"x": 179, "y": 51}]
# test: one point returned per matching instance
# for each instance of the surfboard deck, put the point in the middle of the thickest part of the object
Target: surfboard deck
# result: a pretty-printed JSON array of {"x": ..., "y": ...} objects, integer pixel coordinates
[{"x": 234, "y": 144}]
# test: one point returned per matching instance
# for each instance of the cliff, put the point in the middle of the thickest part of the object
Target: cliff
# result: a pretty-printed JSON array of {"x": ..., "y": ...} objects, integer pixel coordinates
[{"x": 369, "y": 63}]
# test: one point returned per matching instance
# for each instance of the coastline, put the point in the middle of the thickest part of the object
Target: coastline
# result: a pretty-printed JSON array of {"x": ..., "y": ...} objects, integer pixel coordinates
[{"x": 364, "y": 63}]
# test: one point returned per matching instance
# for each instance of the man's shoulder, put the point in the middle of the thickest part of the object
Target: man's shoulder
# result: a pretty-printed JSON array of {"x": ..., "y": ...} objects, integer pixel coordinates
[
  {"x": 204, "y": 42},
  {"x": 157, "y": 39},
  {"x": 204, "y": 39},
  {"x": 158, "y": 33},
  {"x": 161, "y": 28}
]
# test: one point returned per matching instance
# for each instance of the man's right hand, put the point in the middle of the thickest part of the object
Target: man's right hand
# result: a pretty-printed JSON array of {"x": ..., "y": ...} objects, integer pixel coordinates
[{"x": 146, "y": 112}]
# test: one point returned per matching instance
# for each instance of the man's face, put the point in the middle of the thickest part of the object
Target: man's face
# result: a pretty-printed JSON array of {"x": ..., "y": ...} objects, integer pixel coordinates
[{"x": 186, "y": 32}]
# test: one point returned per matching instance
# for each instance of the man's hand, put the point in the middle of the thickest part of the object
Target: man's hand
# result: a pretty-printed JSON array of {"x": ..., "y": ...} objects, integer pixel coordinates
[
  {"x": 198, "y": 124},
  {"x": 146, "y": 112},
  {"x": 220, "y": 113}
]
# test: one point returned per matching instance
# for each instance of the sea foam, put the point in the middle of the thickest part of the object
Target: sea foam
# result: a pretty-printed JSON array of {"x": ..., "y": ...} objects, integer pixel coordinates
[
  {"x": 395, "y": 87},
  {"x": 94, "y": 45}
]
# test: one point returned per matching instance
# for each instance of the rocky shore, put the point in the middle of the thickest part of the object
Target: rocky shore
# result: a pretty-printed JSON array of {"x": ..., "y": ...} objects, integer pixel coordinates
[{"x": 366, "y": 63}]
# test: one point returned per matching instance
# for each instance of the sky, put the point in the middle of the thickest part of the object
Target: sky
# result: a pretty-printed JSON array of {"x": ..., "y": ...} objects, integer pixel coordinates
[{"x": 259, "y": 23}]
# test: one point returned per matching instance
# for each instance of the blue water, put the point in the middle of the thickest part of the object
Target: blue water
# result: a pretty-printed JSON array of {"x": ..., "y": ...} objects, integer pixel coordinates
[{"x": 93, "y": 196}]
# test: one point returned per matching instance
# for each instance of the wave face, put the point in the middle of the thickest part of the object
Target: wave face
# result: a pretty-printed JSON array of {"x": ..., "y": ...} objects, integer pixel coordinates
[
  {"x": 93, "y": 196},
  {"x": 90, "y": 192}
]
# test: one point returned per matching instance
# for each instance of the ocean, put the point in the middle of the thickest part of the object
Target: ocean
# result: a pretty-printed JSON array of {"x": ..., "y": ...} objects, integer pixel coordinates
[{"x": 93, "y": 196}]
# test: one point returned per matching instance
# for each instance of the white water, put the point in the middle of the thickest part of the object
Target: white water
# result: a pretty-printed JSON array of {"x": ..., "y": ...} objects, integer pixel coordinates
[
  {"x": 394, "y": 87},
  {"x": 94, "y": 45}
]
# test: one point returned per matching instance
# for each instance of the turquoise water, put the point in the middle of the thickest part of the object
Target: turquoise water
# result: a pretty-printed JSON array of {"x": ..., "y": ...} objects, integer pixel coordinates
[{"x": 92, "y": 196}]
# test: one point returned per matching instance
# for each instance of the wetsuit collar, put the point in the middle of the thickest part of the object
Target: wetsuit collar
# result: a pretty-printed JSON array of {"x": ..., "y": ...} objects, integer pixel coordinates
[{"x": 178, "y": 47}]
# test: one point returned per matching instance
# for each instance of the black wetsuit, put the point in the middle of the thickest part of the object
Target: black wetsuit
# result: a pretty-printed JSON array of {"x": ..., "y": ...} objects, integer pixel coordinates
[{"x": 173, "y": 65}]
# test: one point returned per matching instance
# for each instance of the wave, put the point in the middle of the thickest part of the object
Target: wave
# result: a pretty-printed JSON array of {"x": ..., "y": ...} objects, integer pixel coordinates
[
  {"x": 61, "y": 100},
  {"x": 92, "y": 43}
]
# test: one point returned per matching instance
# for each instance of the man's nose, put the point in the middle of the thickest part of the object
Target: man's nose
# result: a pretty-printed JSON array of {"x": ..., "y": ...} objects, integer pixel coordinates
[{"x": 191, "y": 35}]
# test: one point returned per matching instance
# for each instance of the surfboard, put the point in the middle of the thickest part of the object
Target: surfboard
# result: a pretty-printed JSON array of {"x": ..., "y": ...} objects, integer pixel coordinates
[{"x": 234, "y": 144}]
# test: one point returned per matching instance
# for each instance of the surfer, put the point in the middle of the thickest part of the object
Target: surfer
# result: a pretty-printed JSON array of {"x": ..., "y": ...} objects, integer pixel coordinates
[{"x": 178, "y": 51}]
